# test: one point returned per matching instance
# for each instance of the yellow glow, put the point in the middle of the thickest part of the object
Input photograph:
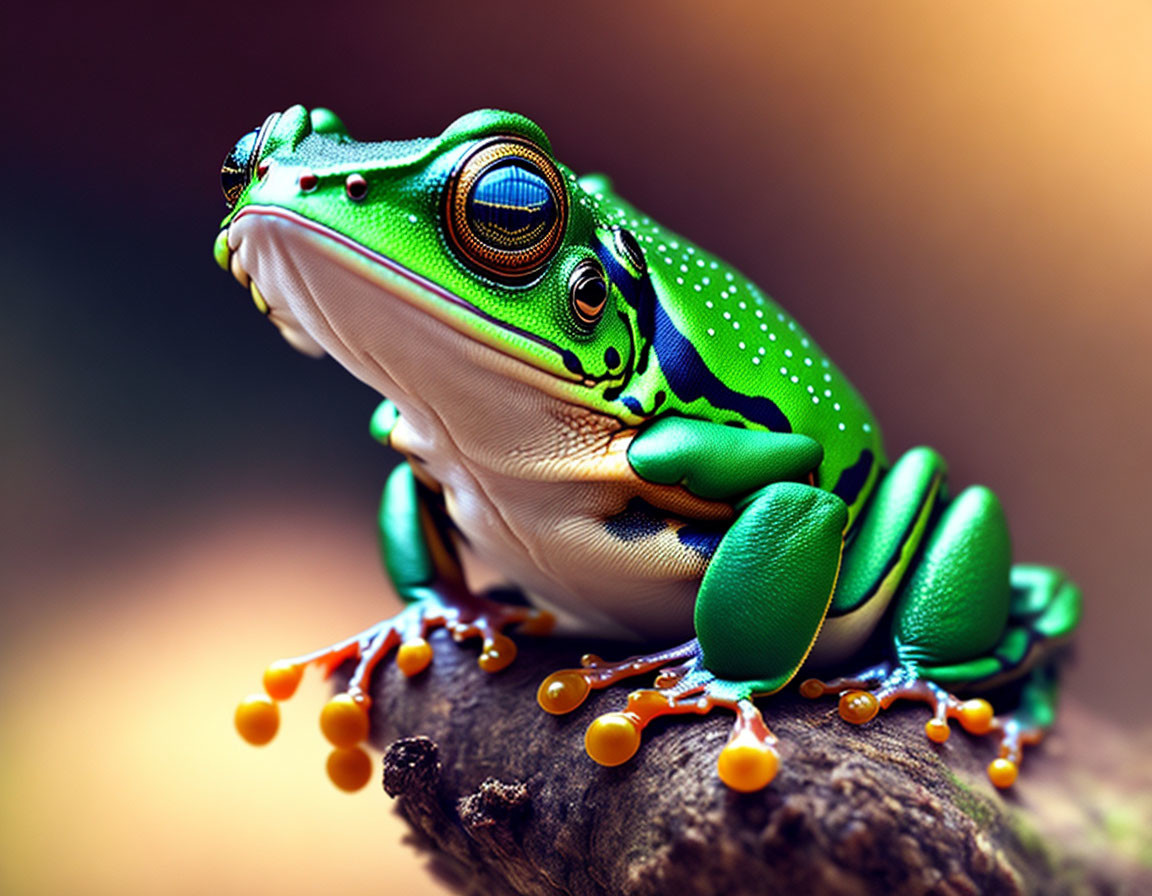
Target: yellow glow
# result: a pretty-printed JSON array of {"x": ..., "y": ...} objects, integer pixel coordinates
[
  {"x": 1001, "y": 132},
  {"x": 122, "y": 771}
]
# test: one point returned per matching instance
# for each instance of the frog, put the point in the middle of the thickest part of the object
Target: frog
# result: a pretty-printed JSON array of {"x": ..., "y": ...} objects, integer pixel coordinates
[{"x": 607, "y": 430}]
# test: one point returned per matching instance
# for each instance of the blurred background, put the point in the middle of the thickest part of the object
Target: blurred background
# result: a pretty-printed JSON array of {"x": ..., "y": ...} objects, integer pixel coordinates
[{"x": 955, "y": 199}]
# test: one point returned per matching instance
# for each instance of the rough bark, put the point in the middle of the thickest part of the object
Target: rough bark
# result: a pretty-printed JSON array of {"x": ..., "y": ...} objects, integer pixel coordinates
[{"x": 510, "y": 803}]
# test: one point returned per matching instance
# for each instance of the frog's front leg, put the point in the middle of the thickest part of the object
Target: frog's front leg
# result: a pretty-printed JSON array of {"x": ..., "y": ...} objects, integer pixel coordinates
[
  {"x": 758, "y": 610},
  {"x": 423, "y": 568}
]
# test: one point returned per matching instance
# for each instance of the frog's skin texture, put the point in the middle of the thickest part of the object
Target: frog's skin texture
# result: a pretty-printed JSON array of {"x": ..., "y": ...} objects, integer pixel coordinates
[{"x": 609, "y": 420}]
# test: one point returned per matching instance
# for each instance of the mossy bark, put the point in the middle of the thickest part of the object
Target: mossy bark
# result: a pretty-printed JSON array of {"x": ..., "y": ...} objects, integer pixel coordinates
[{"x": 510, "y": 803}]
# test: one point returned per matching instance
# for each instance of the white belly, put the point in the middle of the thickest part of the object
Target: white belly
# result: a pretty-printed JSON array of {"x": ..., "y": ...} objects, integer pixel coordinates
[
  {"x": 531, "y": 480},
  {"x": 549, "y": 538}
]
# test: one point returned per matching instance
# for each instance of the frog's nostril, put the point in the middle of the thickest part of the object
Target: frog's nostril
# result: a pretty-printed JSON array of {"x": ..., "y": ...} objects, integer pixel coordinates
[{"x": 237, "y": 168}]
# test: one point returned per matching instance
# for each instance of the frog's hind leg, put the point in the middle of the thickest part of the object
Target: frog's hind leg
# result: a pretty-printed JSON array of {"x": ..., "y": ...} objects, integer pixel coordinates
[
  {"x": 1044, "y": 611},
  {"x": 969, "y": 621}
]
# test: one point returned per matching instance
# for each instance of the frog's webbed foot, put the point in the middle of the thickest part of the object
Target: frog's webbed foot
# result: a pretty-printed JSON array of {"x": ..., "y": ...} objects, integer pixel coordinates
[
  {"x": 863, "y": 695},
  {"x": 344, "y": 718},
  {"x": 747, "y": 763}
]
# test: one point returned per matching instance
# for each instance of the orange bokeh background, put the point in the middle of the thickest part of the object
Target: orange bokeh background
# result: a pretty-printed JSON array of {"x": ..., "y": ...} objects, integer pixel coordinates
[{"x": 955, "y": 199}]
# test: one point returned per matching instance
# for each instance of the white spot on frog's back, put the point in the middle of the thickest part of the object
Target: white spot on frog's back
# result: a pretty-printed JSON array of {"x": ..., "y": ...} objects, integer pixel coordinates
[{"x": 730, "y": 317}]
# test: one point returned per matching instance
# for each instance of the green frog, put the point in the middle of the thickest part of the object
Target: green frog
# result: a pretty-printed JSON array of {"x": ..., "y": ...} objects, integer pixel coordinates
[{"x": 610, "y": 421}]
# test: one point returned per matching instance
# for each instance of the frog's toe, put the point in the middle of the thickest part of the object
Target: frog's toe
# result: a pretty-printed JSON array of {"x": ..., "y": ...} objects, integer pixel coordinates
[
  {"x": 683, "y": 686},
  {"x": 281, "y": 679},
  {"x": 862, "y": 696},
  {"x": 257, "y": 719},
  {"x": 1026, "y": 725},
  {"x": 344, "y": 719},
  {"x": 1015, "y": 732},
  {"x": 564, "y": 690},
  {"x": 349, "y": 768},
  {"x": 488, "y": 622},
  {"x": 747, "y": 763},
  {"x": 498, "y": 652},
  {"x": 413, "y": 656},
  {"x": 613, "y": 738},
  {"x": 749, "y": 760},
  {"x": 1002, "y": 772}
]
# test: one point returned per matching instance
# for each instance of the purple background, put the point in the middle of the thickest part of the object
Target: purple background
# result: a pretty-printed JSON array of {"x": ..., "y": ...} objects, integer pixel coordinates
[{"x": 955, "y": 201}]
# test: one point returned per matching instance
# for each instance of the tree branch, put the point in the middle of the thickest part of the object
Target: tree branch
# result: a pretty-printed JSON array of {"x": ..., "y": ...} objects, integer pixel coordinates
[{"x": 507, "y": 795}]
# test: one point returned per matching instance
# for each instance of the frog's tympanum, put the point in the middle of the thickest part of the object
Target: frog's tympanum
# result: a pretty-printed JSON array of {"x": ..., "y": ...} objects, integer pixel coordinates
[{"x": 608, "y": 419}]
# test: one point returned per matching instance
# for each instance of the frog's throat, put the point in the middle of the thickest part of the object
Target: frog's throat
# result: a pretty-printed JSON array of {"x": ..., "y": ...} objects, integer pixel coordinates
[{"x": 288, "y": 257}]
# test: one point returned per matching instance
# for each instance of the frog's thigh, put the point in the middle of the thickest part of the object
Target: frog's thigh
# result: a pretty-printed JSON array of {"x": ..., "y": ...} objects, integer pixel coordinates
[
  {"x": 1044, "y": 611},
  {"x": 769, "y": 584},
  {"x": 954, "y": 605},
  {"x": 877, "y": 559}
]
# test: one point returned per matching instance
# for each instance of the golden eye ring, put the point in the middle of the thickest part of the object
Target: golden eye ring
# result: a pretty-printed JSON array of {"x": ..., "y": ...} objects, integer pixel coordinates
[{"x": 506, "y": 208}]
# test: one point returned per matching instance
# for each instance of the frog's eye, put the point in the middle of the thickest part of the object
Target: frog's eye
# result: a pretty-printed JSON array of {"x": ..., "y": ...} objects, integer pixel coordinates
[
  {"x": 237, "y": 167},
  {"x": 241, "y": 161},
  {"x": 507, "y": 208},
  {"x": 587, "y": 292}
]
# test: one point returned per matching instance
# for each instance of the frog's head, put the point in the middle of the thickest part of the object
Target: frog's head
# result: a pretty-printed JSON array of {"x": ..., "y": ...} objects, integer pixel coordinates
[{"x": 474, "y": 247}]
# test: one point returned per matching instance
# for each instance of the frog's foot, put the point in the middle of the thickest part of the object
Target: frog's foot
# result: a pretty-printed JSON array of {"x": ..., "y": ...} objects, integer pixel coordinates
[
  {"x": 344, "y": 719},
  {"x": 863, "y": 695},
  {"x": 747, "y": 763}
]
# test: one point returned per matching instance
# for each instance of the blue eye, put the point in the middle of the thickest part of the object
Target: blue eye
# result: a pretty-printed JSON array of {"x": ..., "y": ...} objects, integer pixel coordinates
[
  {"x": 511, "y": 207},
  {"x": 506, "y": 208}
]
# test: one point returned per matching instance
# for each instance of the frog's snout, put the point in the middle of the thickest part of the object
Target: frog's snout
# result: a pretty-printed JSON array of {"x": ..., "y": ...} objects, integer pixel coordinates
[{"x": 241, "y": 162}]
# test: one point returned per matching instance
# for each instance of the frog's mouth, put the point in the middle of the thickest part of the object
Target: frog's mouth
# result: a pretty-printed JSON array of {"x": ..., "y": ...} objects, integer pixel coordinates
[
  {"x": 279, "y": 314},
  {"x": 328, "y": 294}
]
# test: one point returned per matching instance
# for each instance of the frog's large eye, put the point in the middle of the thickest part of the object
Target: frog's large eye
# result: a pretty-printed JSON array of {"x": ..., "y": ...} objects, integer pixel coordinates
[{"x": 507, "y": 208}]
